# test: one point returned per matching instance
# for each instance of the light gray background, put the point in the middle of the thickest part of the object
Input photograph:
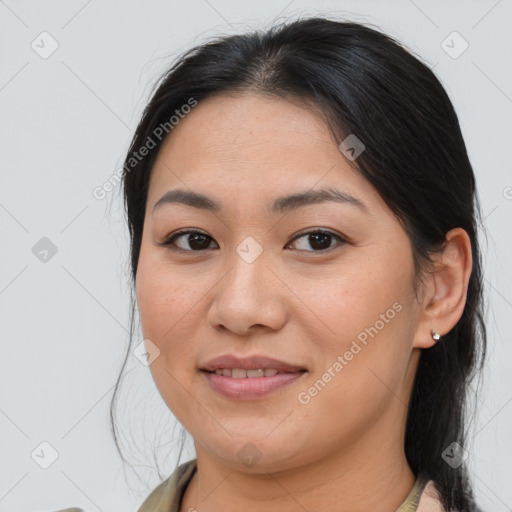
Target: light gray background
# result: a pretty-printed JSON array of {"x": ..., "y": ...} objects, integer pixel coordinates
[{"x": 66, "y": 123}]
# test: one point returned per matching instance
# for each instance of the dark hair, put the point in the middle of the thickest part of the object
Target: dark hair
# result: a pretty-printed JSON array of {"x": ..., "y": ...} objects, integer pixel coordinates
[{"x": 368, "y": 84}]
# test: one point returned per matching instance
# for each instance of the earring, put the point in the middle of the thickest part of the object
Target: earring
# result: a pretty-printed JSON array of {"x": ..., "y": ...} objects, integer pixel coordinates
[{"x": 435, "y": 335}]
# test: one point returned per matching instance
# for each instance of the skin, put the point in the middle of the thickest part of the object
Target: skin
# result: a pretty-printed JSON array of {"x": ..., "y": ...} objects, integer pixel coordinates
[{"x": 294, "y": 303}]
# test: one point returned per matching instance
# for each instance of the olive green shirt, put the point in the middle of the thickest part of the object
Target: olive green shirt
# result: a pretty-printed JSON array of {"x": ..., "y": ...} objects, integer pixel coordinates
[{"x": 167, "y": 496}]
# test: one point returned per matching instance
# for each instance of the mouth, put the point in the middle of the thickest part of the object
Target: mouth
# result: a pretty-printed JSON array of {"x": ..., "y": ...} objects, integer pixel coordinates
[
  {"x": 249, "y": 364},
  {"x": 241, "y": 373},
  {"x": 250, "y": 378},
  {"x": 250, "y": 388}
]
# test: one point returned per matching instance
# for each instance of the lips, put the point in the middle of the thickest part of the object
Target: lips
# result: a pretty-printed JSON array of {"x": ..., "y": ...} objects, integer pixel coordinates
[
  {"x": 241, "y": 373},
  {"x": 250, "y": 378},
  {"x": 230, "y": 362}
]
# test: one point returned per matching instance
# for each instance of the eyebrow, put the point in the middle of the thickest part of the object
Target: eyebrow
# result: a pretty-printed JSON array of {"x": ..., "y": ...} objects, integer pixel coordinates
[{"x": 282, "y": 204}]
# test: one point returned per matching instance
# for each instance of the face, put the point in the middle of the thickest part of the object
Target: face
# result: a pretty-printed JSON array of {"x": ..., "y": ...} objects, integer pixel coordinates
[{"x": 324, "y": 285}]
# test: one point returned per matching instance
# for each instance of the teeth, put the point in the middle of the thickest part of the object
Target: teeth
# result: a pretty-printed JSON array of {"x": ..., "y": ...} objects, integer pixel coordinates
[
  {"x": 240, "y": 373},
  {"x": 255, "y": 373}
]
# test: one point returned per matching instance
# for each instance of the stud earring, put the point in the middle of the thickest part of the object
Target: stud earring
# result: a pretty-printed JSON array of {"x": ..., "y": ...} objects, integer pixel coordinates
[{"x": 435, "y": 335}]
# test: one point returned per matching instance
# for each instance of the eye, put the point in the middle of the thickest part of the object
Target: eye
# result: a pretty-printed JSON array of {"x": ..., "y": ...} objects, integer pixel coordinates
[
  {"x": 196, "y": 241},
  {"x": 320, "y": 240}
]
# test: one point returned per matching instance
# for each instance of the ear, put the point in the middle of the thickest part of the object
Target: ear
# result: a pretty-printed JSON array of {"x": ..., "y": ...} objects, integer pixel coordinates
[{"x": 445, "y": 288}]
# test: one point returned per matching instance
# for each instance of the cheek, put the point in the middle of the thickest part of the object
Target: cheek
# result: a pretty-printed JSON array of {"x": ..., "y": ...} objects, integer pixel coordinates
[
  {"x": 156, "y": 299},
  {"x": 364, "y": 313},
  {"x": 166, "y": 308},
  {"x": 353, "y": 297},
  {"x": 361, "y": 359},
  {"x": 167, "y": 302}
]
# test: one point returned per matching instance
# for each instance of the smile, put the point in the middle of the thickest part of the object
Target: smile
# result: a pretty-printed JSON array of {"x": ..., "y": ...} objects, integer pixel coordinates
[
  {"x": 241, "y": 384},
  {"x": 241, "y": 373}
]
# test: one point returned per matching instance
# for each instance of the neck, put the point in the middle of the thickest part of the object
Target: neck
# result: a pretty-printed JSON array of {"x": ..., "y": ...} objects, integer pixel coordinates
[{"x": 365, "y": 476}]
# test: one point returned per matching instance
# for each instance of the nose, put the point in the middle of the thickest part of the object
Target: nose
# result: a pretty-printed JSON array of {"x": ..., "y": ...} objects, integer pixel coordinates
[{"x": 249, "y": 297}]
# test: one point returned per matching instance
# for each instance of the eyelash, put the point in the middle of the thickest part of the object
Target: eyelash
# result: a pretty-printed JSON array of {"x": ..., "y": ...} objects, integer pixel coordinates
[{"x": 169, "y": 241}]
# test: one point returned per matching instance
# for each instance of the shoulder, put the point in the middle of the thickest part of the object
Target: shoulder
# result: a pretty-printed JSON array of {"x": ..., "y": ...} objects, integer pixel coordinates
[
  {"x": 430, "y": 500},
  {"x": 71, "y": 509},
  {"x": 168, "y": 494}
]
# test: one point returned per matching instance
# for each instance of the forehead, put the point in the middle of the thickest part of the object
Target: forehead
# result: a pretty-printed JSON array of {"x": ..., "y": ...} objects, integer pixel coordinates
[{"x": 250, "y": 144}]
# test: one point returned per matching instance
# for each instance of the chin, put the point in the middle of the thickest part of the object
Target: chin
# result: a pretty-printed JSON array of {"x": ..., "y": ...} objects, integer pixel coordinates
[{"x": 255, "y": 454}]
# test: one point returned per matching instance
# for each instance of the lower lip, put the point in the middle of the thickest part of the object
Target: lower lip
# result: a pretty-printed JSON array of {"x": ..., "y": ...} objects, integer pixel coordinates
[{"x": 250, "y": 387}]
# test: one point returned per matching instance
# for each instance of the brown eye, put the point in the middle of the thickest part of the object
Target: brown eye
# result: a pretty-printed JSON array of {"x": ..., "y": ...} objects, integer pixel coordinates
[
  {"x": 197, "y": 241},
  {"x": 192, "y": 241},
  {"x": 318, "y": 240}
]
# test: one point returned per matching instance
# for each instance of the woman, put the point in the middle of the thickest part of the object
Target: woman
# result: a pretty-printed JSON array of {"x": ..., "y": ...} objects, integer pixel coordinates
[{"x": 304, "y": 253}]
